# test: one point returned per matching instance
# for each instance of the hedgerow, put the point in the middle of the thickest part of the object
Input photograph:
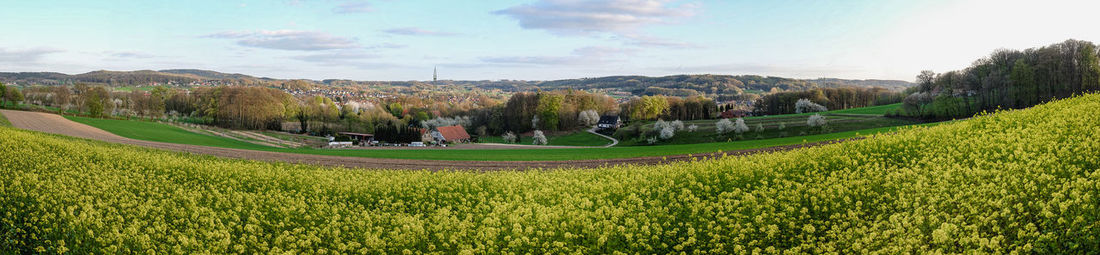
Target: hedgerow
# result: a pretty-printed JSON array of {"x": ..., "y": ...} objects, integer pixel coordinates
[{"x": 1022, "y": 181}]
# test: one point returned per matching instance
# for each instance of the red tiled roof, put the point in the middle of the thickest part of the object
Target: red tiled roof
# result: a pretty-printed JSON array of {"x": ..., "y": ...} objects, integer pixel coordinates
[{"x": 453, "y": 133}]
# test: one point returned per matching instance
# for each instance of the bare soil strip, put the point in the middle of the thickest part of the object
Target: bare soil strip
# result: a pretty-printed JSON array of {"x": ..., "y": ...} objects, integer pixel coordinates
[{"x": 52, "y": 123}]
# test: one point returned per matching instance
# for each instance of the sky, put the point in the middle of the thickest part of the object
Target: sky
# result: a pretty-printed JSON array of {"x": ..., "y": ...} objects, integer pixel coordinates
[{"x": 530, "y": 40}]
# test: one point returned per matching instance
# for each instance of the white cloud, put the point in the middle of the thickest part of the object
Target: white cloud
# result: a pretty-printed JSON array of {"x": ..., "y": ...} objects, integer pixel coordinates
[
  {"x": 417, "y": 31},
  {"x": 352, "y": 7},
  {"x": 585, "y": 17},
  {"x": 25, "y": 55},
  {"x": 128, "y": 54},
  {"x": 288, "y": 40}
]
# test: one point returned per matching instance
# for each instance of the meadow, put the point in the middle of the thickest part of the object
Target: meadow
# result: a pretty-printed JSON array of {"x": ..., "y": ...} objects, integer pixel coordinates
[
  {"x": 878, "y": 110},
  {"x": 1023, "y": 181},
  {"x": 577, "y": 138},
  {"x": 775, "y": 126},
  {"x": 159, "y": 132}
]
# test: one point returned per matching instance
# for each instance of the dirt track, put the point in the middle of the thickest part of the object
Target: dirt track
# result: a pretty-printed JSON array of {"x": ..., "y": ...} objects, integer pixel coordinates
[{"x": 52, "y": 123}]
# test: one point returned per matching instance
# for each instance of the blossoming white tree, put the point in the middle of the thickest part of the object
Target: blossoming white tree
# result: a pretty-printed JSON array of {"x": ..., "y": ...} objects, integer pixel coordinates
[
  {"x": 805, "y": 105},
  {"x": 723, "y": 126},
  {"x": 739, "y": 126},
  {"x": 539, "y": 138},
  {"x": 816, "y": 121}
]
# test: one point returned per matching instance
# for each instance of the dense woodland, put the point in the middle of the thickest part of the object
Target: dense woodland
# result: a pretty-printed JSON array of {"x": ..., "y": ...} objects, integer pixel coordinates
[
  {"x": 831, "y": 98},
  {"x": 1007, "y": 79}
]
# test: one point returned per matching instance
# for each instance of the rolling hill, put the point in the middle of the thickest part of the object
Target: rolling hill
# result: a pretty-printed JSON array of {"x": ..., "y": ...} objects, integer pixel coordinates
[
  {"x": 674, "y": 85},
  {"x": 1022, "y": 181}
]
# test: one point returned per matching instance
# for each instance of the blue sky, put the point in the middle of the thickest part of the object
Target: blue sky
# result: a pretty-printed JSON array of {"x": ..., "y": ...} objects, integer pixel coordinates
[{"x": 529, "y": 40}]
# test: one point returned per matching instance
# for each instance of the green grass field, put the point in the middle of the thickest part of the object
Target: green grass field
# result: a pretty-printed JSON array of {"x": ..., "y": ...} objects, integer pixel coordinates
[
  {"x": 157, "y": 132},
  {"x": 879, "y": 110},
  {"x": 876, "y": 110},
  {"x": 165, "y": 133},
  {"x": 579, "y": 138},
  {"x": 794, "y": 125}
]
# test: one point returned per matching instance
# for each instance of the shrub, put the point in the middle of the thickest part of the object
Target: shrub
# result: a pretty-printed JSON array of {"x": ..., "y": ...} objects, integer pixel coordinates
[
  {"x": 660, "y": 125},
  {"x": 538, "y": 138},
  {"x": 677, "y": 124},
  {"x": 588, "y": 118},
  {"x": 509, "y": 137},
  {"x": 446, "y": 121},
  {"x": 739, "y": 126},
  {"x": 805, "y": 105},
  {"x": 723, "y": 126},
  {"x": 816, "y": 120},
  {"x": 667, "y": 132},
  {"x": 693, "y": 128},
  {"x": 628, "y": 132}
]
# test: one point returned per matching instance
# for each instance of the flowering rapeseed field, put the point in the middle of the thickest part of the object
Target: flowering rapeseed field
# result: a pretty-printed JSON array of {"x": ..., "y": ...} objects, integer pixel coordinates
[{"x": 1017, "y": 181}]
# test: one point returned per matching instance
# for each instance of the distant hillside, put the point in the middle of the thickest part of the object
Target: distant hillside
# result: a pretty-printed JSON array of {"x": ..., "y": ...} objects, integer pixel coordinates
[
  {"x": 214, "y": 75},
  {"x": 674, "y": 85},
  {"x": 129, "y": 78},
  {"x": 834, "y": 82},
  {"x": 709, "y": 84}
]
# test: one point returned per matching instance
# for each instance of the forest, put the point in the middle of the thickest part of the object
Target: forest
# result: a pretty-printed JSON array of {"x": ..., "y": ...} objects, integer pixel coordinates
[
  {"x": 1006, "y": 79},
  {"x": 831, "y": 98}
]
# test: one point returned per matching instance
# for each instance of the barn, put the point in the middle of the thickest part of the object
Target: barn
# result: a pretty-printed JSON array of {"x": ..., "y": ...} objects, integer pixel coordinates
[{"x": 453, "y": 134}]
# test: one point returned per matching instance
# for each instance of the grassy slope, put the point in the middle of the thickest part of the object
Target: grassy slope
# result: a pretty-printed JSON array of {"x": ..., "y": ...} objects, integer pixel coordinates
[
  {"x": 579, "y": 138},
  {"x": 164, "y": 133},
  {"x": 876, "y": 110},
  {"x": 839, "y": 121},
  {"x": 870, "y": 110},
  {"x": 157, "y": 132},
  {"x": 4, "y": 121},
  {"x": 1015, "y": 182}
]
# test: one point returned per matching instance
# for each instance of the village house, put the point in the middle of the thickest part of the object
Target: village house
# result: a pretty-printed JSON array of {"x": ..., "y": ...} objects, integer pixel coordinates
[
  {"x": 452, "y": 134},
  {"x": 609, "y": 122}
]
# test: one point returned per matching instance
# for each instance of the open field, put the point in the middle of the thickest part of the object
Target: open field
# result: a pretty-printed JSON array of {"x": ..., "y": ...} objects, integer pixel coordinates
[
  {"x": 158, "y": 132},
  {"x": 578, "y": 138},
  {"x": 794, "y": 126},
  {"x": 870, "y": 110},
  {"x": 1014, "y": 182},
  {"x": 875, "y": 110},
  {"x": 113, "y": 126}
]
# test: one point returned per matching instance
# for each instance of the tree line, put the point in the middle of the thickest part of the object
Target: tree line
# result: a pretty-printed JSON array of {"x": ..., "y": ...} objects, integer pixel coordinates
[
  {"x": 831, "y": 98},
  {"x": 1006, "y": 79}
]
